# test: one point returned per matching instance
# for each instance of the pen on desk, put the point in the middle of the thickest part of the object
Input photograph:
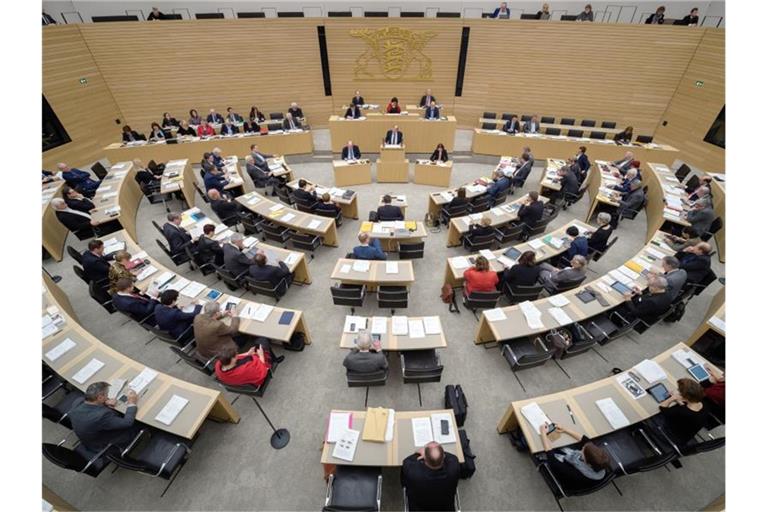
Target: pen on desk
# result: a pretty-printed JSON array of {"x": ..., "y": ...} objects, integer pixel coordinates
[{"x": 571, "y": 413}]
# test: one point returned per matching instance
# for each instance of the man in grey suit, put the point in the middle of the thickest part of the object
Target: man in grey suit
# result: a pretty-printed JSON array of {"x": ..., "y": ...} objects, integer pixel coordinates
[
  {"x": 97, "y": 424},
  {"x": 632, "y": 201},
  {"x": 701, "y": 215},
  {"x": 234, "y": 259},
  {"x": 363, "y": 360},
  {"x": 675, "y": 276},
  {"x": 553, "y": 278}
]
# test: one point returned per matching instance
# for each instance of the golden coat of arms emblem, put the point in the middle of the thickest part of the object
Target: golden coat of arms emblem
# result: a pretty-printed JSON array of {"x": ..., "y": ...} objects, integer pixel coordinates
[{"x": 393, "y": 54}]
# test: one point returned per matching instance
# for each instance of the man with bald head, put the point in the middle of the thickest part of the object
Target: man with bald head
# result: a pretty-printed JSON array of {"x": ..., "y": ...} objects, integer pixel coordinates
[
  {"x": 430, "y": 477},
  {"x": 625, "y": 163},
  {"x": 701, "y": 215},
  {"x": 79, "y": 180},
  {"x": 261, "y": 270},
  {"x": 368, "y": 249},
  {"x": 394, "y": 136}
]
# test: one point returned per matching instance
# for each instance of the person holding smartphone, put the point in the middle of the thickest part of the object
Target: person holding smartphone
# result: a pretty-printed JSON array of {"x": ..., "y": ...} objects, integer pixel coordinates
[
  {"x": 97, "y": 424},
  {"x": 250, "y": 368},
  {"x": 574, "y": 467},
  {"x": 684, "y": 413},
  {"x": 367, "y": 358}
]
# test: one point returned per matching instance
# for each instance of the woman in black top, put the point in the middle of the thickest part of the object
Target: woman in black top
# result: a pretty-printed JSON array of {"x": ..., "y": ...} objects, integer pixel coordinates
[
  {"x": 156, "y": 132},
  {"x": 598, "y": 240},
  {"x": 625, "y": 136},
  {"x": 439, "y": 154},
  {"x": 194, "y": 118},
  {"x": 130, "y": 135},
  {"x": 583, "y": 465},
  {"x": 169, "y": 121},
  {"x": 656, "y": 18},
  {"x": 184, "y": 129},
  {"x": 684, "y": 412},
  {"x": 460, "y": 199},
  {"x": 256, "y": 115},
  {"x": 480, "y": 230},
  {"x": 691, "y": 19},
  {"x": 525, "y": 272}
]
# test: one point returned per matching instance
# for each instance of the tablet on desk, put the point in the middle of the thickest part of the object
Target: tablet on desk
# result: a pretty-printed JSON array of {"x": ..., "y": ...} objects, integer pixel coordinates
[
  {"x": 512, "y": 254},
  {"x": 621, "y": 287},
  {"x": 699, "y": 373},
  {"x": 659, "y": 392}
]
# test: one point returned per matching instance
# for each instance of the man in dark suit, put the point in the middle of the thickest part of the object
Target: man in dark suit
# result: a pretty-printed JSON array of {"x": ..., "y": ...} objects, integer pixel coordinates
[
  {"x": 532, "y": 126},
  {"x": 209, "y": 249},
  {"x": 512, "y": 126},
  {"x": 228, "y": 128},
  {"x": 430, "y": 478},
  {"x": 350, "y": 151},
  {"x": 432, "y": 111},
  {"x": 394, "y": 136},
  {"x": 261, "y": 271},
  {"x": 98, "y": 425},
  {"x": 173, "y": 320},
  {"x": 224, "y": 208},
  {"x": 214, "y": 117},
  {"x": 358, "y": 99},
  {"x": 234, "y": 259},
  {"x": 583, "y": 160},
  {"x": 232, "y": 116},
  {"x": 627, "y": 184},
  {"x": 647, "y": 305},
  {"x": 135, "y": 305},
  {"x": 499, "y": 186},
  {"x": 569, "y": 183},
  {"x": 259, "y": 158},
  {"x": 214, "y": 179},
  {"x": 387, "y": 211},
  {"x": 176, "y": 236},
  {"x": 353, "y": 112},
  {"x": 291, "y": 123},
  {"x": 696, "y": 261},
  {"x": 260, "y": 174},
  {"x": 427, "y": 99},
  {"x": 74, "y": 220},
  {"x": 76, "y": 200},
  {"x": 95, "y": 264},
  {"x": 305, "y": 193},
  {"x": 532, "y": 209},
  {"x": 631, "y": 202},
  {"x": 522, "y": 172},
  {"x": 625, "y": 163},
  {"x": 78, "y": 179},
  {"x": 296, "y": 111}
]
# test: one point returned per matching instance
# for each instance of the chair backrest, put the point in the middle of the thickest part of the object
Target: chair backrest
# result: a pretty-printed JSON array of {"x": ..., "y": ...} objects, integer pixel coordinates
[
  {"x": 527, "y": 360},
  {"x": 489, "y": 115},
  {"x": 598, "y": 255},
  {"x": 458, "y": 210},
  {"x": 266, "y": 288},
  {"x": 482, "y": 300},
  {"x": 482, "y": 241},
  {"x": 692, "y": 183},
  {"x": 480, "y": 203},
  {"x": 81, "y": 274},
  {"x": 164, "y": 248},
  {"x": 548, "y": 120},
  {"x": 569, "y": 285},
  {"x": 525, "y": 118},
  {"x": 644, "y": 139},
  {"x": 608, "y": 124},
  {"x": 552, "y": 131},
  {"x": 354, "y": 488},
  {"x": 202, "y": 194},
  {"x": 587, "y": 122},
  {"x": 716, "y": 225},
  {"x": 489, "y": 126},
  {"x": 575, "y": 133},
  {"x": 682, "y": 172},
  {"x": 506, "y": 117},
  {"x": 360, "y": 379},
  {"x": 99, "y": 293},
  {"x": 348, "y": 296},
  {"x": 411, "y": 251},
  {"x": 74, "y": 254},
  {"x": 597, "y": 135},
  {"x": 191, "y": 360},
  {"x": 68, "y": 459},
  {"x": 520, "y": 293},
  {"x": 568, "y": 121},
  {"x": 392, "y": 296},
  {"x": 99, "y": 170},
  {"x": 275, "y": 115}
]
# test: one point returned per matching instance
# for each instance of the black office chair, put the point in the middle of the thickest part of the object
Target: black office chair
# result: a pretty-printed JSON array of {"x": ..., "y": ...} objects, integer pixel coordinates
[
  {"x": 682, "y": 172},
  {"x": 446, "y": 214},
  {"x": 274, "y": 116},
  {"x": 204, "y": 267},
  {"x": 59, "y": 412},
  {"x": 565, "y": 286},
  {"x": 575, "y": 133},
  {"x": 98, "y": 292},
  {"x": 231, "y": 281},
  {"x": 276, "y": 233},
  {"x": 595, "y": 255},
  {"x": 84, "y": 233},
  {"x": 644, "y": 139},
  {"x": 480, "y": 204},
  {"x": 306, "y": 242},
  {"x": 410, "y": 251},
  {"x": 523, "y": 354},
  {"x": 692, "y": 183},
  {"x": 328, "y": 213},
  {"x": 552, "y": 131},
  {"x": 366, "y": 380},
  {"x": 51, "y": 382},
  {"x": 273, "y": 127},
  {"x": 303, "y": 205},
  {"x": 420, "y": 366},
  {"x": 489, "y": 115},
  {"x": 538, "y": 228},
  {"x": 188, "y": 354},
  {"x": 559, "y": 490},
  {"x": 587, "y": 122},
  {"x": 525, "y": 118},
  {"x": 501, "y": 198},
  {"x": 99, "y": 170},
  {"x": 285, "y": 195},
  {"x": 353, "y": 488},
  {"x": 177, "y": 259},
  {"x": 633, "y": 451},
  {"x": 251, "y": 223},
  {"x": 716, "y": 226},
  {"x": 507, "y": 233},
  {"x": 506, "y": 117},
  {"x": 474, "y": 243},
  {"x": 516, "y": 294},
  {"x": 481, "y": 300},
  {"x": 266, "y": 288},
  {"x": 349, "y": 295},
  {"x": 200, "y": 192},
  {"x": 548, "y": 120},
  {"x": 75, "y": 255},
  {"x": 79, "y": 460},
  {"x": 79, "y": 272},
  {"x": 180, "y": 341},
  {"x": 568, "y": 121},
  {"x": 597, "y": 135},
  {"x": 392, "y": 297},
  {"x": 489, "y": 126},
  {"x": 608, "y": 124}
]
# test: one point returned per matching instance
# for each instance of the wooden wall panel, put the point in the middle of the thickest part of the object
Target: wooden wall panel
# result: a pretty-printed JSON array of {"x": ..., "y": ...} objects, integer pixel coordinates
[
  {"x": 203, "y": 64},
  {"x": 692, "y": 110},
  {"x": 87, "y": 112}
]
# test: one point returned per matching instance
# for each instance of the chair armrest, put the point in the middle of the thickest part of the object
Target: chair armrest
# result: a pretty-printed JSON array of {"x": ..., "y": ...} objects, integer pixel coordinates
[
  {"x": 189, "y": 346},
  {"x": 614, "y": 457},
  {"x": 71, "y": 432},
  {"x": 241, "y": 275},
  {"x": 667, "y": 439},
  {"x": 329, "y": 490},
  {"x": 96, "y": 457},
  {"x": 648, "y": 440},
  {"x": 378, "y": 493},
  {"x": 170, "y": 455},
  {"x": 181, "y": 336},
  {"x": 146, "y": 317},
  {"x": 511, "y": 353},
  {"x": 133, "y": 443},
  {"x": 546, "y": 467},
  {"x": 626, "y": 322}
]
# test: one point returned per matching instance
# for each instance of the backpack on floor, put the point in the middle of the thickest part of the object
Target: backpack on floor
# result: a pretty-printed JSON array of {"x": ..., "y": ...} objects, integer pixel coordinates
[
  {"x": 466, "y": 468},
  {"x": 448, "y": 296},
  {"x": 296, "y": 343},
  {"x": 455, "y": 399}
]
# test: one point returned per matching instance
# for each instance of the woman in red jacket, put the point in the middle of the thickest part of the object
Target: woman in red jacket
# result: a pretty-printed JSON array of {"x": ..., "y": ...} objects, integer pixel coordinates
[
  {"x": 205, "y": 130},
  {"x": 480, "y": 278},
  {"x": 393, "y": 107},
  {"x": 250, "y": 368}
]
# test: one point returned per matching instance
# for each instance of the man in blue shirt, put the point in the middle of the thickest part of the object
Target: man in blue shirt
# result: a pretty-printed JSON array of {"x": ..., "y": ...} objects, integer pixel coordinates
[
  {"x": 79, "y": 180},
  {"x": 500, "y": 185},
  {"x": 368, "y": 249},
  {"x": 172, "y": 319},
  {"x": 214, "y": 179},
  {"x": 579, "y": 245}
]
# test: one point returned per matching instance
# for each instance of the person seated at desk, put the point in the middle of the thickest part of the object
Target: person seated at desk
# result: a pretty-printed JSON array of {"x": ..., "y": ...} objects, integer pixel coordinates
[
  {"x": 520, "y": 174},
  {"x": 512, "y": 126},
  {"x": 207, "y": 162},
  {"x": 357, "y": 100},
  {"x": 625, "y": 163},
  {"x": 156, "y": 14},
  {"x": 586, "y": 14},
  {"x": 97, "y": 425},
  {"x": 688, "y": 238},
  {"x": 684, "y": 412},
  {"x": 714, "y": 392},
  {"x": 656, "y": 18},
  {"x": 394, "y": 136},
  {"x": 95, "y": 264},
  {"x": 500, "y": 185},
  {"x": 232, "y": 116},
  {"x": 369, "y": 249},
  {"x": 176, "y": 236},
  {"x": 439, "y": 154},
  {"x": 552, "y": 278},
  {"x": 430, "y": 478},
  {"x": 205, "y": 130},
  {"x": 249, "y": 127},
  {"x": 135, "y": 305},
  {"x": 248, "y": 369},
  {"x": 675, "y": 276},
  {"x": 185, "y": 130},
  {"x": 255, "y": 115},
  {"x": 208, "y": 249},
  {"x": 480, "y": 278},
  {"x": 291, "y": 123},
  {"x": 353, "y": 112},
  {"x": 130, "y": 135},
  {"x": 701, "y": 215},
  {"x": 235, "y": 260},
  {"x": 169, "y": 121},
  {"x": 78, "y": 179},
  {"x": 305, "y": 192},
  {"x": 261, "y": 271},
  {"x": 326, "y": 206},
  {"x": 194, "y": 118},
  {"x": 350, "y": 151},
  {"x": 460, "y": 199},
  {"x": 119, "y": 270},
  {"x": 261, "y": 175},
  {"x": 578, "y": 243},
  {"x": 366, "y": 357},
  {"x": 569, "y": 182},
  {"x": 480, "y": 230},
  {"x": 156, "y": 133},
  {"x": 145, "y": 177},
  {"x": 212, "y": 336},
  {"x": 544, "y": 13},
  {"x": 502, "y": 12},
  {"x": 649, "y": 304},
  {"x": 583, "y": 160},
  {"x": 624, "y": 137},
  {"x": 48, "y": 176},
  {"x": 531, "y": 211},
  {"x": 532, "y": 126},
  {"x": 223, "y": 206},
  {"x": 214, "y": 179},
  {"x": 632, "y": 202},
  {"x": 393, "y": 106},
  {"x": 76, "y": 201},
  {"x": 259, "y": 158},
  {"x": 218, "y": 160},
  {"x": 575, "y": 468},
  {"x": 432, "y": 112},
  {"x": 228, "y": 128},
  {"x": 524, "y": 273},
  {"x": 701, "y": 192},
  {"x": 625, "y": 187},
  {"x": 214, "y": 117},
  {"x": 295, "y": 111},
  {"x": 173, "y": 320},
  {"x": 598, "y": 239},
  {"x": 696, "y": 261},
  {"x": 73, "y": 220},
  {"x": 691, "y": 19},
  {"x": 387, "y": 211}
]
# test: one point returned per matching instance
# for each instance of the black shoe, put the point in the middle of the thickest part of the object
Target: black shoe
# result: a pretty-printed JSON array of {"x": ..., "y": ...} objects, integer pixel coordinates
[
  {"x": 616, "y": 371},
  {"x": 279, "y": 359}
]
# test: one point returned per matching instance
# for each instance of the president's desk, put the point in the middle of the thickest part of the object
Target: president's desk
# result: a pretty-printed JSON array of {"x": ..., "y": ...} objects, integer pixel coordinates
[{"x": 419, "y": 134}]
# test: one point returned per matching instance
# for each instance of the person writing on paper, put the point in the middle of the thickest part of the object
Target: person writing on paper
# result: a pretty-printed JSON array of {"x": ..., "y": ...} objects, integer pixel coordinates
[
  {"x": 176, "y": 236},
  {"x": 76, "y": 201},
  {"x": 357, "y": 99},
  {"x": 432, "y": 112},
  {"x": 524, "y": 273},
  {"x": 696, "y": 261},
  {"x": 394, "y": 136},
  {"x": 688, "y": 238},
  {"x": 366, "y": 357},
  {"x": 701, "y": 215},
  {"x": 647, "y": 305},
  {"x": 586, "y": 14},
  {"x": 554, "y": 279},
  {"x": 353, "y": 112},
  {"x": 212, "y": 335},
  {"x": 273, "y": 274},
  {"x": 513, "y": 125},
  {"x": 350, "y": 151},
  {"x": 480, "y": 278},
  {"x": 173, "y": 320},
  {"x": 501, "y": 12},
  {"x": 598, "y": 239},
  {"x": 205, "y": 130},
  {"x": 208, "y": 249},
  {"x": 430, "y": 478},
  {"x": 228, "y": 128},
  {"x": 393, "y": 107},
  {"x": 532, "y": 126},
  {"x": 98, "y": 425},
  {"x": 139, "y": 307},
  {"x": 235, "y": 260},
  {"x": 532, "y": 210},
  {"x": 427, "y": 99},
  {"x": 575, "y": 468},
  {"x": 439, "y": 154},
  {"x": 387, "y": 211},
  {"x": 369, "y": 249},
  {"x": 624, "y": 137},
  {"x": 226, "y": 210},
  {"x": 295, "y": 111},
  {"x": 119, "y": 270},
  {"x": 684, "y": 412},
  {"x": 95, "y": 264},
  {"x": 248, "y": 369},
  {"x": 291, "y": 123}
]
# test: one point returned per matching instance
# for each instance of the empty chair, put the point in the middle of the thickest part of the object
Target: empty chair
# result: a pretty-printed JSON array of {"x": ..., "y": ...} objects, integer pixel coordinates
[
  {"x": 538, "y": 228},
  {"x": 507, "y": 233},
  {"x": 481, "y": 300},
  {"x": 275, "y": 116},
  {"x": 99, "y": 170},
  {"x": 575, "y": 133},
  {"x": 634, "y": 451},
  {"x": 506, "y": 117},
  {"x": 251, "y": 225},
  {"x": 266, "y": 288},
  {"x": 99, "y": 293},
  {"x": 285, "y": 195},
  {"x": 392, "y": 297},
  {"x": 366, "y": 380},
  {"x": 75, "y": 255},
  {"x": 59, "y": 411},
  {"x": 519, "y": 293},
  {"x": 419, "y": 366},
  {"x": 489, "y": 115},
  {"x": 306, "y": 242},
  {"x": 548, "y": 120},
  {"x": 608, "y": 124},
  {"x": 480, "y": 204},
  {"x": 273, "y": 127},
  {"x": 552, "y": 131},
  {"x": 80, "y": 459},
  {"x": 276, "y": 233},
  {"x": 716, "y": 226},
  {"x": 353, "y": 488},
  {"x": 682, "y": 172},
  {"x": 692, "y": 183},
  {"x": 410, "y": 251},
  {"x": 644, "y": 139},
  {"x": 349, "y": 295},
  {"x": 587, "y": 122},
  {"x": 188, "y": 354},
  {"x": 476, "y": 243},
  {"x": 569, "y": 121},
  {"x": 177, "y": 259},
  {"x": 447, "y": 213},
  {"x": 522, "y": 354},
  {"x": 597, "y": 135},
  {"x": 489, "y": 126}
]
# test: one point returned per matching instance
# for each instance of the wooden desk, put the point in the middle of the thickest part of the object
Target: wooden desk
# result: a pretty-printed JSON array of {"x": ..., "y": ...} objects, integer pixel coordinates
[
  {"x": 387, "y": 232},
  {"x": 549, "y": 181},
  {"x": 421, "y": 135},
  {"x": 375, "y": 275},
  {"x": 718, "y": 199},
  {"x": 472, "y": 189},
  {"x": 300, "y": 221},
  {"x": 54, "y": 232},
  {"x": 663, "y": 192},
  {"x": 392, "y": 342},
  {"x": 399, "y": 200},
  {"x": 269, "y": 328},
  {"x": 515, "y": 324},
  {"x": 348, "y": 205},
  {"x": 562, "y": 127},
  {"x": 487, "y": 142},
  {"x": 552, "y": 246},
  {"x": 499, "y": 215},
  {"x": 392, "y": 172},
  {"x": 714, "y": 319},
  {"x": 192, "y": 148},
  {"x": 600, "y": 188},
  {"x": 178, "y": 177},
  {"x": 119, "y": 189},
  {"x": 392, "y": 453},
  {"x": 587, "y": 417},
  {"x": 437, "y": 174},
  {"x": 203, "y": 402},
  {"x": 355, "y": 172}
]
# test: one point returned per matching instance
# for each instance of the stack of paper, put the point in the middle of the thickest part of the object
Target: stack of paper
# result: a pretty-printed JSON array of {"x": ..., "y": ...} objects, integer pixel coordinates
[
  {"x": 142, "y": 380},
  {"x": 535, "y": 416},
  {"x": 488, "y": 254},
  {"x": 193, "y": 289},
  {"x": 415, "y": 328},
  {"x": 650, "y": 370},
  {"x": 561, "y": 316},
  {"x": 49, "y": 327},
  {"x": 447, "y": 196},
  {"x": 171, "y": 410},
  {"x": 391, "y": 267},
  {"x": 314, "y": 224},
  {"x": 532, "y": 315},
  {"x": 400, "y": 325},
  {"x": 460, "y": 262},
  {"x": 361, "y": 265},
  {"x": 353, "y": 324},
  {"x": 495, "y": 314},
  {"x": 60, "y": 349},
  {"x": 612, "y": 413},
  {"x": 558, "y": 300},
  {"x": 338, "y": 423},
  {"x": 432, "y": 325},
  {"x": 151, "y": 269},
  {"x": 379, "y": 325}
]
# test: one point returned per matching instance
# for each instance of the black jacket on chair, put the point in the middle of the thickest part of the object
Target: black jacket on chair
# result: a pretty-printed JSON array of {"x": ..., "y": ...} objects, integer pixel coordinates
[
  {"x": 209, "y": 250},
  {"x": 599, "y": 239},
  {"x": 389, "y": 212},
  {"x": 271, "y": 273},
  {"x": 176, "y": 236},
  {"x": 96, "y": 426},
  {"x": 224, "y": 209},
  {"x": 430, "y": 489},
  {"x": 235, "y": 261}
]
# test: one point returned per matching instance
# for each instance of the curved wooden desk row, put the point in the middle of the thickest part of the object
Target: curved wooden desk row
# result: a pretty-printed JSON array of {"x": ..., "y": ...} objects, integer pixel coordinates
[
  {"x": 421, "y": 135},
  {"x": 556, "y": 126},
  {"x": 718, "y": 196},
  {"x": 496, "y": 142},
  {"x": 715, "y": 319},
  {"x": 587, "y": 417},
  {"x": 192, "y": 148},
  {"x": 179, "y": 177},
  {"x": 546, "y": 246},
  {"x": 600, "y": 181},
  {"x": 515, "y": 325},
  {"x": 269, "y": 328},
  {"x": 202, "y": 402},
  {"x": 54, "y": 232},
  {"x": 664, "y": 197}
]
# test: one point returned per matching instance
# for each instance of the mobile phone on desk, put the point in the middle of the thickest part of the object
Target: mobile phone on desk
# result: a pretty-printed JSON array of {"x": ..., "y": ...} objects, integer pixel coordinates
[
  {"x": 551, "y": 427},
  {"x": 444, "y": 427}
]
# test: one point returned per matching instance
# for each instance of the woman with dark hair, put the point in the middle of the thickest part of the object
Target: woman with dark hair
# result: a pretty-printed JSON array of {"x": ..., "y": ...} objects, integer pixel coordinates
[
  {"x": 393, "y": 107},
  {"x": 156, "y": 132},
  {"x": 480, "y": 278},
  {"x": 459, "y": 199},
  {"x": 684, "y": 412},
  {"x": 525, "y": 272},
  {"x": 130, "y": 135},
  {"x": 255, "y": 115},
  {"x": 624, "y": 137},
  {"x": 194, "y": 118},
  {"x": 169, "y": 121},
  {"x": 691, "y": 19},
  {"x": 656, "y": 18},
  {"x": 439, "y": 154},
  {"x": 576, "y": 467}
]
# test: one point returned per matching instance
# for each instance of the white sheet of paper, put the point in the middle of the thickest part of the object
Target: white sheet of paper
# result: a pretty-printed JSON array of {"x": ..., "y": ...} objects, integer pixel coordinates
[
  {"x": 415, "y": 329},
  {"x": 193, "y": 289},
  {"x": 558, "y": 300},
  {"x": 536, "y": 244},
  {"x": 561, "y": 316},
  {"x": 400, "y": 325},
  {"x": 60, "y": 349},
  {"x": 432, "y": 325},
  {"x": 654, "y": 252},
  {"x": 291, "y": 259},
  {"x": 392, "y": 267},
  {"x": 535, "y": 416},
  {"x": 361, "y": 265},
  {"x": 450, "y": 437},
  {"x": 276, "y": 207},
  {"x": 508, "y": 263},
  {"x": 359, "y": 322},
  {"x": 379, "y": 325},
  {"x": 314, "y": 224},
  {"x": 650, "y": 370},
  {"x": 495, "y": 314},
  {"x": 148, "y": 271},
  {"x": 338, "y": 424},
  {"x": 488, "y": 254},
  {"x": 422, "y": 431},
  {"x": 629, "y": 272},
  {"x": 88, "y": 371},
  {"x": 142, "y": 380},
  {"x": 720, "y": 324},
  {"x": 612, "y": 413},
  {"x": 288, "y": 217},
  {"x": 682, "y": 356},
  {"x": 345, "y": 268},
  {"x": 262, "y": 312},
  {"x": 346, "y": 445},
  {"x": 377, "y": 228},
  {"x": 171, "y": 410},
  {"x": 399, "y": 224},
  {"x": 49, "y": 329},
  {"x": 389, "y": 435},
  {"x": 460, "y": 262},
  {"x": 250, "y": 241}
]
